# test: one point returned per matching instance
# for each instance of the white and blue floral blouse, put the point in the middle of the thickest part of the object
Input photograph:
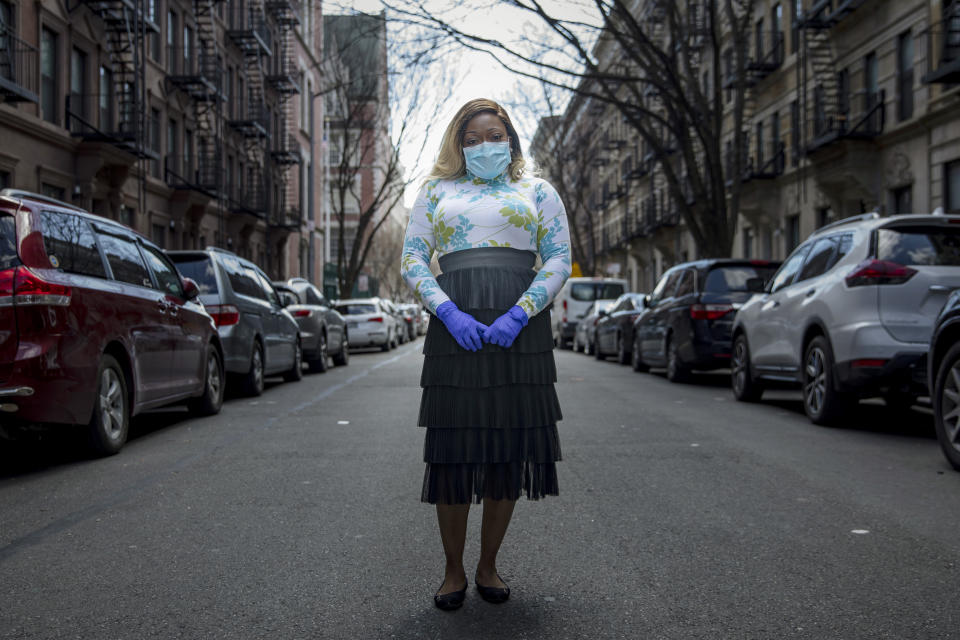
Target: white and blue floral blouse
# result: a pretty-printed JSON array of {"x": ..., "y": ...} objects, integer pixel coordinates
[{"x": 470, "y": 212}]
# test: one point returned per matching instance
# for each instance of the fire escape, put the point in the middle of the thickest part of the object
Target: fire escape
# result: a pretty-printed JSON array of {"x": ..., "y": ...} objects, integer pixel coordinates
[
  {"x": 247, "y": 30},
  {"x": 284, "y": 150},
  {"x": 197, "y": 71},
  {"x": 943, "y": 47},
  {"x": 18, "y": 66},
  {"x": 121, "y": 114},
  {"x": 835, "y": 113}
]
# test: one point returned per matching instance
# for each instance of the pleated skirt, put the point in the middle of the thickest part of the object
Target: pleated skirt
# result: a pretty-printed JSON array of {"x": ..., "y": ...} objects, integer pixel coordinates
[{"x": 490, "y": 415}]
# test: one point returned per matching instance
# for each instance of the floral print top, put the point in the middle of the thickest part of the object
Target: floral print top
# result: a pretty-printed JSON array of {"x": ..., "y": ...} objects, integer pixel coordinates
[{"x": 470, "y": 212}]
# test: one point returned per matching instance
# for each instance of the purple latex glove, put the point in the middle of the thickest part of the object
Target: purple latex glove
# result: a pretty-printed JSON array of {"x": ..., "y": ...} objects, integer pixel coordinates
[
  {"x": 462, "y": 326},
  {"x": 505, "y": 329}
]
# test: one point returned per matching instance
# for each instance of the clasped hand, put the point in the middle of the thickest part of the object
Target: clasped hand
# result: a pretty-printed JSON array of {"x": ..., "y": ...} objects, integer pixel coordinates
[{"x": 471, "y": 334}]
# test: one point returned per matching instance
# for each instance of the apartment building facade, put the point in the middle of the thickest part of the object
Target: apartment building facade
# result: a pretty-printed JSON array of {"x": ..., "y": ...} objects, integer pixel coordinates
[
  {"x": 850, "y": 106},
  {"x": 186, "y": 120}
]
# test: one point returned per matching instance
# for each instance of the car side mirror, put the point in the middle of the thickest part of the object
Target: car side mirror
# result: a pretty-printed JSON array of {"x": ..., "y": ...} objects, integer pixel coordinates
[
  {"x": 647, "y": 302},
  {"x": 602, "y": 312},
  {"x": 190, "y": 289},
  {"x": 756, "y": 285}
]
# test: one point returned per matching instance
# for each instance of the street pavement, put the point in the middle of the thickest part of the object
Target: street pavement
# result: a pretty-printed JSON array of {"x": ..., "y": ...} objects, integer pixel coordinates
[{"x": 682, "y": 514}]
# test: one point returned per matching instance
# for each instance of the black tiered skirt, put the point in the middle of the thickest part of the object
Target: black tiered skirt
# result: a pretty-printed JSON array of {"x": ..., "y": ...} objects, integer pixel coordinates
[{"x": 491, "y": 415}]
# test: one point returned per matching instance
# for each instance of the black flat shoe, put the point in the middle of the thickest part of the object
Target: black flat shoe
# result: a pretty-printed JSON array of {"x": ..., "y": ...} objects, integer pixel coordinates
[
  {"x": 495, "y": 595},
  {"x": 452, "y": 600}
]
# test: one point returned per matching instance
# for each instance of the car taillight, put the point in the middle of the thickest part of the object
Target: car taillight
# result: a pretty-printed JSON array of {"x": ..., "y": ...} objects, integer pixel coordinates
[
  {"x": 6, "y": 285},
  {"x": 872, "y": 271},
  {"x": 710, "y": 311},
  {"x": 31, "y": 289},
  {"x": 377, "y": 319},
  {"x": 302, "y": 313},
  {"x": 224, "y": 315},
  {"x": 564, "y": 319}
]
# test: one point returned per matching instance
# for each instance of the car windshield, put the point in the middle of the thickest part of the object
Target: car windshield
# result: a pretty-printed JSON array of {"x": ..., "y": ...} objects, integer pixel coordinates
[
  {"x": 199, "y": 269},
  {"x": 8, "y": 243},
  {"x": 931, "y": 246},
  {"x": 590, "y": 291},
  {"x": 734, "y": 278},
  {"x": 356, "y": 309}
]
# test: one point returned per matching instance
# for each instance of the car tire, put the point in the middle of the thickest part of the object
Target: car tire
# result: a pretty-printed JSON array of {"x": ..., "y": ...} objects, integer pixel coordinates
[
  {"x": 946, "y": 406},
  {"x": 676, "y": 370},
  {"x": 386, "y": 345},
  {"x": 295, "y": 374},
  {"x": 211, "y": 401},
  {"x": 823, "y": 404},
  {"x": 745, "y": 387},
  {"x": 110, "y": 423},
  {"x": 342, "y": 359},
  {"x": 319, "y": 364},
  {"x": 623, "y": 356},
  {"x": 638, "y": 364},
  {"x": 253, "y": 379}
]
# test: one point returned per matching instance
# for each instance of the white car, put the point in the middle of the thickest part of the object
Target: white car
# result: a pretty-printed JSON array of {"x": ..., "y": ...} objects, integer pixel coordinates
[
  {"x": 850, "y": 313},
  {"x": 574, "y": 301},
  {"x": 369, "y": 323}
]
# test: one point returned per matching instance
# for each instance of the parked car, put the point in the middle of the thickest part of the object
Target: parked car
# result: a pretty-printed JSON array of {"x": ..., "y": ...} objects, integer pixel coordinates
[
  {"x": 688, "y": 322},
  {"x": 585, "y": 335},
  {"x": 393, "y": 309},
  {"x": 614, "y": 331},
  {"x": 96, "y": 325},
  {"x": 850, "y": 313},
  {"x": 943, "y": 376},
  {"x": 260, "y": 338},
  {"x": 369, "y": 323},
  {"x": 574, "y": 300},
  {"x": 323, "y": 331},
  {"x": 411, "y": 318}
]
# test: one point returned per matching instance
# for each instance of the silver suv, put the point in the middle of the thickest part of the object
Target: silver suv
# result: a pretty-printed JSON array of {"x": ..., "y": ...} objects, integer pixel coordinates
[{"x": 850, "y": 313}]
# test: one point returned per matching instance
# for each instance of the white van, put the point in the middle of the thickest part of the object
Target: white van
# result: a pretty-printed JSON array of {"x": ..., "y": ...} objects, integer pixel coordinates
[{"x": 574, "y": 300}]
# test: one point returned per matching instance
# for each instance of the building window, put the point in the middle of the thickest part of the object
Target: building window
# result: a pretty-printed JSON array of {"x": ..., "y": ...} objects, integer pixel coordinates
[
  {"x": 794, "y": 133},
  {"x": 792, "y": 236},
  {"x": 105, "y": 100},
  {"x": 78, "y": 83},
  {"x": 901, "y": 200},
  {"x": 171, "y": 42},
  {"x": 775, "y": 136},
  {"x": 155, "y": 41},
  {"x": 796, "y": 10},
  {"x": 905, "y": 76},
  {"x": 48, "y": 75},
  {"x": 187, "y": 50},
  {"x": 154, "y": 141},
  {"x": 776, "y": 22},
  {"x": 747, "y": 243},
  {"x": 823, "y": 216},
  {"x": 5, "y": 180},
  {"x": 158, "y": 234},
  {"x": 759, "y": 165},
  {"x": 870, "y": 73},
  {"x": 173, "y": 158},
  {"x": 766, "y": 239},
  {"x": 951, "y": 181},
  {"x": 53, "y": 191}
]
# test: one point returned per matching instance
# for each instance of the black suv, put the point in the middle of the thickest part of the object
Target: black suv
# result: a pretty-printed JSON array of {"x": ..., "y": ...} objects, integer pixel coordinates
[{"x": 688, "y": 321}]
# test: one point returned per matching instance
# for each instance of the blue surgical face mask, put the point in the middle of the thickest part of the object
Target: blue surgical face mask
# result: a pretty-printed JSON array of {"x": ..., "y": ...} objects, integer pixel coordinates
[{"x": 487, "y": 160}]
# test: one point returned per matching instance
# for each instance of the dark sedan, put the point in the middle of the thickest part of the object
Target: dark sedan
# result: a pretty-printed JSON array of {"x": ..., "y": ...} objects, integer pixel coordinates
[
  {"x": 689, "y": 317},
  {"x": 943, "y": 377},
  {"x": 614, "y": 333}
]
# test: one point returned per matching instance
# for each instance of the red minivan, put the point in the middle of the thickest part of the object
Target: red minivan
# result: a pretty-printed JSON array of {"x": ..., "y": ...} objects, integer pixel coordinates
[{"x": 96, "y": 324}]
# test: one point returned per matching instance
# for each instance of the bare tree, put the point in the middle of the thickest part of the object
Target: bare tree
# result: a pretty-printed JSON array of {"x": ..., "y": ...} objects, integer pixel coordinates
[
  {"x": 659, "y": 65},
  {"x": 372, "y": 109}
]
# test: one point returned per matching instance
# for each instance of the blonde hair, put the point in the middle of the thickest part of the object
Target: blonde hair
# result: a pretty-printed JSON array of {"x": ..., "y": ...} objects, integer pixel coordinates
[{"x": 450, "y": 163}]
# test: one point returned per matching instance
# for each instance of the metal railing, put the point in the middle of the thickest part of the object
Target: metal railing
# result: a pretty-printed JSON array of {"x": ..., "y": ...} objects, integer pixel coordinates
[
  {"x": 19, "y": 80},
  {"x": 202, "y": 172},
  {"x": 861, "y": 115},
  {"x": 942, "y": 43}
]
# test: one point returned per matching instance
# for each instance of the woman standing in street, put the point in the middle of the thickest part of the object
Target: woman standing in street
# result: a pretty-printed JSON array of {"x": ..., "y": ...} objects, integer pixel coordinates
[{"x": 488, "y": 404}]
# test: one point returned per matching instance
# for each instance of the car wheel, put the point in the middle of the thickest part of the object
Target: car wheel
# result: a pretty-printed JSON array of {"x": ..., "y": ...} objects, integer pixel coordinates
[
  {"x": 296, "y": 371},
  {"x": 253, "y": 380},
  {"x": 638, "y": 363},
  {"x": 212, "y": 399},
  {"x": 623, "y": 356},
  {"x": 821, "y": 401},
  {"x": 745, "y": 388},
  {"x": 319, "y": 364},
  {"x": 946, "y": 406},
  {"x": 110, "y": 422},
  {"x": 342, "y": 359},
  {"x": 676, "y": 371}
]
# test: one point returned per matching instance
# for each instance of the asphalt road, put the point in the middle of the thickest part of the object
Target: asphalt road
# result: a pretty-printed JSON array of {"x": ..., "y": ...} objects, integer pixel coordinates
[{"x": 682, "y": 514}]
